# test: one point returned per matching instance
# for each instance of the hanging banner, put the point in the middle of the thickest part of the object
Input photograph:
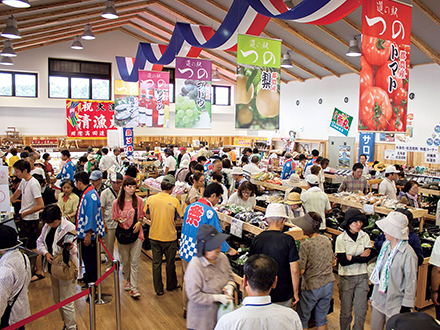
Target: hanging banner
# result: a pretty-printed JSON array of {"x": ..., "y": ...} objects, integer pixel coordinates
[
  {"x": 341, "y": 121},
  {"x": 243, "y": 142},
  {"x": 126, "y": 104},
  {"x": 128, "y": 141},
  {"x": 154, "y": 108},
  {"x": 258, "y": 83},
  {"x": 87, "y": 119},
  {"x": 193, "y": 93},
  {"x": 384, "y": 78},
  {"x": 366, "y": 145}
]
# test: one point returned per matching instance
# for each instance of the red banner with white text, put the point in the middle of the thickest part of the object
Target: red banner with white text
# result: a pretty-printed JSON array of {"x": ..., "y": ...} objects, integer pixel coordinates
[
  {"x": 384, "y": 77},
  {"x": 88, "y": 119}
]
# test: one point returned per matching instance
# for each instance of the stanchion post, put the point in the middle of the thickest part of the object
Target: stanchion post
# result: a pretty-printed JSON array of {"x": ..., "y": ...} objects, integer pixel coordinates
[
  {"x": 92, "y": 298},
  {"x": 117, "y": 295},
  {"x": 80, "y": 269},
  {"x": 98, "y": 265}
]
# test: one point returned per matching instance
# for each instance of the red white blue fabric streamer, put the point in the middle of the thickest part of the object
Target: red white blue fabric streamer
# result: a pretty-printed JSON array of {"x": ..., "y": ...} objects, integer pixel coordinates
[{"x": 244, "y": 17}]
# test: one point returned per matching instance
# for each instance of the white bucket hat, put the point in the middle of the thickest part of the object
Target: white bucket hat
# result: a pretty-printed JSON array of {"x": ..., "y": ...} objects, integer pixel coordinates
[
  {"x": 293, "y": 181},
  {"x": 395, "y": 224},
  {"x": 276, "y": 210},
  {"x": 237, "y": 171}
]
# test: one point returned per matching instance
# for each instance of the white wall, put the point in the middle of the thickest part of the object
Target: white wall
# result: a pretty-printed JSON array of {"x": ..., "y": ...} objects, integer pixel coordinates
[{"x": 44, "y": 116}]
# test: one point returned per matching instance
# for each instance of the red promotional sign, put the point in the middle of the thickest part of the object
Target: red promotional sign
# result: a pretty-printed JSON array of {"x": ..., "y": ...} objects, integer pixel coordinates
[
  {"x": 384, "y": 77},
  {"x": 89, "y": 119},
  {"x": 154, "y": 98}
]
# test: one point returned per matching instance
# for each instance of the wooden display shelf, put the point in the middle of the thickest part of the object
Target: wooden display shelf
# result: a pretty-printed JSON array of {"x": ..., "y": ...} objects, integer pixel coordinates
[
  {"x": 273, "y": 186},
  {"x": 429, "y": 191},
  {"x": 259, "y": 208},
  {"x": 417, "y": 213}
]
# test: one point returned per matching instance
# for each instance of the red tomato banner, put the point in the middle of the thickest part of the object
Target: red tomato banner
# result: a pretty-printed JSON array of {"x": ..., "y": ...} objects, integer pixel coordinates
[
  {"x": 89, "y": 119},
  {"x": 384, "y": 76}
]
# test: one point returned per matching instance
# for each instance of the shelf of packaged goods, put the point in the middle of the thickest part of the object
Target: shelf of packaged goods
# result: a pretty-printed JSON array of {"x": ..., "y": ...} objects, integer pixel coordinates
[
  {"x": 429, "y": 191},
  {"x": 260, "y": 208},
  {"x": 274, "y": 186}
]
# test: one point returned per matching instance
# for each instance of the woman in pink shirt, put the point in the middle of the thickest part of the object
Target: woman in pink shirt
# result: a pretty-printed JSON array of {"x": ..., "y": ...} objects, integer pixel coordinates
[{"x": 126, "y": 208}]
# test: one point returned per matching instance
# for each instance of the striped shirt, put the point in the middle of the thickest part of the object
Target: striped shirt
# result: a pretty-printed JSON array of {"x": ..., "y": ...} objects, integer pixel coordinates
[{"x": 354, "y": 185}]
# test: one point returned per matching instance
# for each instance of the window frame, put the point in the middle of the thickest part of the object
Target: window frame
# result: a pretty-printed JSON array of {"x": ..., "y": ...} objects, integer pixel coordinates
[
  {"x": 71, "y": 75},
  {"x": 214, "y": 95},
  {"x": 13, "y": 87}
]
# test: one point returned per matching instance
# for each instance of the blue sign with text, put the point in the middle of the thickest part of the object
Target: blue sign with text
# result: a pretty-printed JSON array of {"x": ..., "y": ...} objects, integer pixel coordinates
[{"x": 366, "y": 145}]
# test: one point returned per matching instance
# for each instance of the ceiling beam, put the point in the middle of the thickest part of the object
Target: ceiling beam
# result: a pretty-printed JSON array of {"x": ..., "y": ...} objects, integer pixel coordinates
[
  {"x": 333, "y": 35},
  {"x": 67, "y": 17},
  {"x": 428, "y": 12},
  {"x": 176, "y": 13},
  {"x": 78, "y": 29},
  {"x": 62, "y": 40},
  {"x": 311, "y": 59},
  {"x": 63, "y": 36},
  {"x": 13, "y": 11}
]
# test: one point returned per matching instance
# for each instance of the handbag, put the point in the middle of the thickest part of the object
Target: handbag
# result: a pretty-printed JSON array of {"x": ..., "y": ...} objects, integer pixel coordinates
[
  {"x": 127, "y": 236},
  {"x": 64, "y": 271}
]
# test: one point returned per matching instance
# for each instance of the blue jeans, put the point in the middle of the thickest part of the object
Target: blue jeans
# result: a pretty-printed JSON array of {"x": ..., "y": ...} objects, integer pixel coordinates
[{"x": 319, "y": 298}]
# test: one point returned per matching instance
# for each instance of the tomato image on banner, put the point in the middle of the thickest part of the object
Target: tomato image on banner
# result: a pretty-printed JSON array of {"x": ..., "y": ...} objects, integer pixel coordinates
[{"x": 384, "y": 76}]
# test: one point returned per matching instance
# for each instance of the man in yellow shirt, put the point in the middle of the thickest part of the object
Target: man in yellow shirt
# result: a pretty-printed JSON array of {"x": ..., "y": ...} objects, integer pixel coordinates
[
  {"x": 164, "y": 210},
  {"x": 12, "y": 160}
]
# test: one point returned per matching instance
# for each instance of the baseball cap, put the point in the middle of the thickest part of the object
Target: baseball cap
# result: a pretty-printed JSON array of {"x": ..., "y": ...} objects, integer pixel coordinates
[
  {"x": 116, "y": 176},
  {"x": 208, "y": 239},
  {"x": 391, "y": 169},
  {"x": 182, "y": 149},
  {"x": 96, "y": 175},
  {"x": 169, "y": 178},
  {"x": 312, "y": 179}
]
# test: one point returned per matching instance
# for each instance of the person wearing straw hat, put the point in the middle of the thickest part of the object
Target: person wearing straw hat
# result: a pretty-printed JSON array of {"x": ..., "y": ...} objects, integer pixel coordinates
[
  {"x": 395, "y": 273},
  {"x": 314, "y": 199},
  {"x": 295, "y": 209},
  {"x": 208, "y": 279},
  {"x": 58, "y": 235},
  {"x": 354, "y": 249},
  {"x": 15, "y": 274},
  {"x": 274, "y": 243},
  {"x": 316, "y": 267},
  {"x": 380, "y": 168},
  {"x": 388, "y": 187}
]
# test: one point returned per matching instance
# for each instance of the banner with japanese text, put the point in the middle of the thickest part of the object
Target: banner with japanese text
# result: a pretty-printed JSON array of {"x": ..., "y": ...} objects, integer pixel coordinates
[
  {"x": 87, "y": 119},
  {"x": 128, "y": 141},
  {"x": 126, "y": 103},
  {"x": 366, "y": 145},
  {"x": 154, "y": 101},
  {"x": 341, "y": 121},
  {"x": 384, "y": 77},
  {"x": 258, "y": 83},
  {"x": 193, "y": 93}
]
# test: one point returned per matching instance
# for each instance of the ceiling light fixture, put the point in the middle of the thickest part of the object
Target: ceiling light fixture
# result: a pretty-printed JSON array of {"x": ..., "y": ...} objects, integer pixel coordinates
[
  {"x": 286, "y": 62},
  {"x": 110, "y": 11},
  {"x": 11, "y": 31},
  {"x": 88, "y": 34},
  {"x": 76, "y": 43},
  {"x": 8, "y": 51},
  {"x": 289, "y": 3},
  {"x": 6, "y": 61},
  {"x": 354, "y": 50},
  {"x": 17, "y": 3},
  {"x": 216, "y": 75}
]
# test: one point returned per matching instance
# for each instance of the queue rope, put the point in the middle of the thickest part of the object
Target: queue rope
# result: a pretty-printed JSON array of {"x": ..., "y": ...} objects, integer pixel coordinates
[{"x": 53, "y": 308}]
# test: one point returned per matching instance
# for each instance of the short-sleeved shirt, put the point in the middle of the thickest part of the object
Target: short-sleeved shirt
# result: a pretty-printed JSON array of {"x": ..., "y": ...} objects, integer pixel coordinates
[
  {"x": 316, "y": 258},
  {"x": 170, "y": 162},
  {"x": 236, "y": 200},
  {"x": 128, "y": 213},
  {"x": 193, "y": 193},
  {"x": 108, "y": 196},
  {"x": 354, "y": 185},
  {"x": 435, "y": 254},
  {"x": 282, "y": 248},
  {"x": 163, "y": 210},
  {"x": 388, "y": 188},
  {"x": 345, "y": 244},
  {"x": 30, "y": 190},
  {"x": 288, "y": 169},
  {"x": 315, "y": 200}
]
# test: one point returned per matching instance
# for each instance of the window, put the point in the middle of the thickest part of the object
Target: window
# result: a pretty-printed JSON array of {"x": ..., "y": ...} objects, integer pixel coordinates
[
  {"x": 21, "y": 84},
  {"x": 79, "y": 79},
  {"x": 221, "y": 95}
]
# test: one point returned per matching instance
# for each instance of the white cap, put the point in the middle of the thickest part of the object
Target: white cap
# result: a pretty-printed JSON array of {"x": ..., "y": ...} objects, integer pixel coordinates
[
  {"x": 312, "y": 179},
  {"x": 276, "y": 210},
  {"x": 391, "y": 169},
  {"x": 237, "y": 171}
]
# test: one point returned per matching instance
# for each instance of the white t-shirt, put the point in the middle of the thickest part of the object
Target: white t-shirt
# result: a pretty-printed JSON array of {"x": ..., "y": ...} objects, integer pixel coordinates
[
  {"x": 170, "y": 162},
  {"x": 30, "y": 190},
  {"x": 185, "y": 156},
  {"x": 224, "y": 198},
  {"x": 435, "y": 254},
  {"x": 315, "y": 200},
  {"x": 38, "y": 170},
  {"x": 251, "y": 169},
  {"x": 234, "y": 199},
  {"x": 388, "y": 188},
  {"x": 106, "y": 162}
]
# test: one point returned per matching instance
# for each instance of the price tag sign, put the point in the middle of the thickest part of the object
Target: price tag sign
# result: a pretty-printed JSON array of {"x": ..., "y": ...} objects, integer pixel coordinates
[
  {"x": 369, "y": 209},
  {"x": 236, "y": 227}
]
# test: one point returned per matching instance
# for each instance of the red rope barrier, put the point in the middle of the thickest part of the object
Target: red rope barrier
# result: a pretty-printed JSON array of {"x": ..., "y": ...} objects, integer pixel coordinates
[
  {"x": 105, "y": 248},
  {"x": 47, "y": 310},
  {"x": 103, "y": 277}
]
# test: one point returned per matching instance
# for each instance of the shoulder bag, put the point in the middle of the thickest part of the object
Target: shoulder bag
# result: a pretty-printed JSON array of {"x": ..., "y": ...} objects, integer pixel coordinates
[{"x": 127, "y": 236}]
